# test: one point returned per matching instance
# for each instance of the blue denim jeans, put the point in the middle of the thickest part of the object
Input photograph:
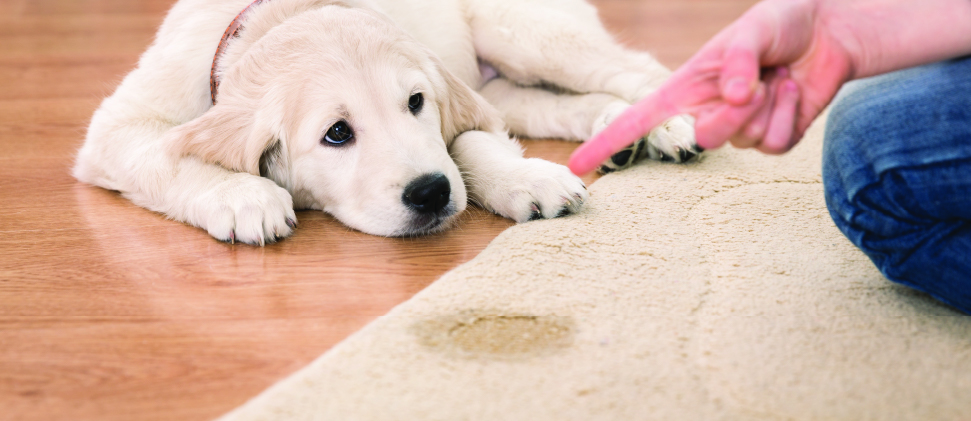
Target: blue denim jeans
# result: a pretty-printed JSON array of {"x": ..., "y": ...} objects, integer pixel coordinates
[{"x": 897, "y": 174}]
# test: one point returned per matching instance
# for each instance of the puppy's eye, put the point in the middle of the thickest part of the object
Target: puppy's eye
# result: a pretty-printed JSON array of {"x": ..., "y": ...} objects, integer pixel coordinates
[
  {"x": 339, "y": 134},
  {"x": 415, "y": 103}
]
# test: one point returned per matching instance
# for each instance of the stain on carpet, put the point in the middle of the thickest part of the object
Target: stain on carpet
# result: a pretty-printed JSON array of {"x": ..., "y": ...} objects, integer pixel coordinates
[{"x": 495, "y": 335}]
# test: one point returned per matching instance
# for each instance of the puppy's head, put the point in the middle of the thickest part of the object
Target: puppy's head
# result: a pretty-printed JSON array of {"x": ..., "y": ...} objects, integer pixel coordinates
[{"x": 349, "y": 114}]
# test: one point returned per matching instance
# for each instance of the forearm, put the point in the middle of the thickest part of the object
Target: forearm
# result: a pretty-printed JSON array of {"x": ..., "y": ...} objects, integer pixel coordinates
[{"x": 885, "y": 35}]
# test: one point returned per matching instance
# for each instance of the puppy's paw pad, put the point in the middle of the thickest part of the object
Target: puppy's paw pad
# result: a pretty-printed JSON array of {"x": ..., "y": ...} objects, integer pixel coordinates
[
  {"x": 625, "y": 158},
  {"x": 534, "y": 212},
  {"x": 672, "y": 141}
]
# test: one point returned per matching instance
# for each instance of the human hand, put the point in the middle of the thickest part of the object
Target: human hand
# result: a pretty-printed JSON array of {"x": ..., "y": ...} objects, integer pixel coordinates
[{"x": 760, "y": 83}]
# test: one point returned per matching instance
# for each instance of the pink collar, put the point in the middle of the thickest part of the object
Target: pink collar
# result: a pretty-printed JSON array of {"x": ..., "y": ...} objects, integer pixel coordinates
[{"x": 231, "y": 32}]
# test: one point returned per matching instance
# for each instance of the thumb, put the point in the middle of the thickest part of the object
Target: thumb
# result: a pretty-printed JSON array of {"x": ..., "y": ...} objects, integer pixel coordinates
[{"x": 741, "y": 68}]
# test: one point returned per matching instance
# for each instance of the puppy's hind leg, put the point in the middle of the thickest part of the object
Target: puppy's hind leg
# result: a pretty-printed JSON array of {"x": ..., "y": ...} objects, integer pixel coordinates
[
  {"x": 542, "y": 113},
  {"x": 562, "y": 43}
]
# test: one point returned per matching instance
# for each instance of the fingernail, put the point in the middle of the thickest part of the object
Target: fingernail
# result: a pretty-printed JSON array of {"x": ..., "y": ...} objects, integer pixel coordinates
[{"x": 738, "y": 89}]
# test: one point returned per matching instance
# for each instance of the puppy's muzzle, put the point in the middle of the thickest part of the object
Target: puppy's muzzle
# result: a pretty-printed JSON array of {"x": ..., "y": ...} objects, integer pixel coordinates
[{"x": 428, "y": 194}]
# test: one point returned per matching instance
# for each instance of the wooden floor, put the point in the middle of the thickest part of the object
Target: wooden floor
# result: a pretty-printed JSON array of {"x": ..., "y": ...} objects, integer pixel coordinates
[{"x": 110, "y": 312}]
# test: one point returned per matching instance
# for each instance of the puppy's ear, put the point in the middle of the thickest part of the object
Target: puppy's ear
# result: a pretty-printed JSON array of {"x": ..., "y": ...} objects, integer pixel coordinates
[
  {"x": 462, "y": 109},
  {"x": 226, "y": 135}
]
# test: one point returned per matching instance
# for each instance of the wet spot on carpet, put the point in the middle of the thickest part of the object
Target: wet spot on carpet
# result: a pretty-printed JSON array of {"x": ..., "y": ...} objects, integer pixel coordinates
[{"x": 496, "y": 335}]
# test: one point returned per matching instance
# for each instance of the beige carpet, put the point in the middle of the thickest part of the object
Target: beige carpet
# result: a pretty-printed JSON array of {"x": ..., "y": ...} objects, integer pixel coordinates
[{"x": 714, "y": 290}]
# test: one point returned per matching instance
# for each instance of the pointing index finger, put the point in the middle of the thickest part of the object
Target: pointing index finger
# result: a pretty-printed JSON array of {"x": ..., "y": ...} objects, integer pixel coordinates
[{"x": 631, "y": 125}]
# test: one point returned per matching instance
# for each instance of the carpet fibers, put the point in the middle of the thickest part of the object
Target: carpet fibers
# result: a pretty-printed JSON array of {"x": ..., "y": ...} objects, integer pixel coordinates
[{"x": 714, "y": 290}]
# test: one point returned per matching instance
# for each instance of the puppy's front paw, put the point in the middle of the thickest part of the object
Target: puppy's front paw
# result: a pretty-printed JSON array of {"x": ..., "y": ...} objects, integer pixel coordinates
[
  {"x": 533, "y": 189},
  {"x": 249, "y": 209}
]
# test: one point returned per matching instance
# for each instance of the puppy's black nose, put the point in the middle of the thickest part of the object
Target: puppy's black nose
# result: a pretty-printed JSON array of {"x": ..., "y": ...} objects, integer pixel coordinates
[{"x": 429, "y": 193}]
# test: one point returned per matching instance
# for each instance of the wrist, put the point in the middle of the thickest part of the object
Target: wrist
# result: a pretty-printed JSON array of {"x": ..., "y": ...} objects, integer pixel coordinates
[
  {"x": 849, "y": 40},
  {"x": 880, "y": 36}
]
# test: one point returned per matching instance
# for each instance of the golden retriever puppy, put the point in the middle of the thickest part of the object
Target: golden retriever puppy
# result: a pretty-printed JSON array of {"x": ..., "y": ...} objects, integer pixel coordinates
[{"x": 365, "y": 109}]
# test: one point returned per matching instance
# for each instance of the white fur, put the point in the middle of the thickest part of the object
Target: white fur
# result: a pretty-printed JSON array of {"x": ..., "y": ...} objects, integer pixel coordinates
[{"x": 239, "y": 168}]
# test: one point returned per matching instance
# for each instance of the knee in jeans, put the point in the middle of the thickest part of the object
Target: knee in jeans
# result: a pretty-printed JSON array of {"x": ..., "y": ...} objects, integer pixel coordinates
[
  {"x": 863, "y": 201},
  {"x": 859, "y": 115},
  {"x": 873, "y": 222}
]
